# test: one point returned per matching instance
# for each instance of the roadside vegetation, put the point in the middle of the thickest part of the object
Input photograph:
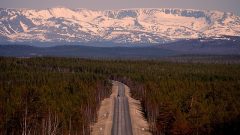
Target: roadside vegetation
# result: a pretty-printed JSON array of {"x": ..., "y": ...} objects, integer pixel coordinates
[{"x": 62, "y": 95}]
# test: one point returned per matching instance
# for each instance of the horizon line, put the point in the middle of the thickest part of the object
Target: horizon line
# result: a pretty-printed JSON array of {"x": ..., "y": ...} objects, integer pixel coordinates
[{"x": 132, "y": 8}]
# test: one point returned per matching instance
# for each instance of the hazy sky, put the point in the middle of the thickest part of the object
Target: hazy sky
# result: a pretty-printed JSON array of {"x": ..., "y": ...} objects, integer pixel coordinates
[{"x": 223, "y": 5}]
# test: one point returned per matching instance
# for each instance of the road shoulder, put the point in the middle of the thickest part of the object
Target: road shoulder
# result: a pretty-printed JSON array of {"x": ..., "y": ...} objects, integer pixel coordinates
[
  {"x": 103, "y": 125},
  {"x": 139, "y": 123}
]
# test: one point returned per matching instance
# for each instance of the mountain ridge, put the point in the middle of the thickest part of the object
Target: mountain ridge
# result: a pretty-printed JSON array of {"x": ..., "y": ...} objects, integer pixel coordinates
[{"x": 136, "y": 25}]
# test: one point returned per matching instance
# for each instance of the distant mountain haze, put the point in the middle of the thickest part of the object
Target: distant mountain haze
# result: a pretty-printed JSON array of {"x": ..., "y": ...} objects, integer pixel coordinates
[{"x": 140, "y": 25}]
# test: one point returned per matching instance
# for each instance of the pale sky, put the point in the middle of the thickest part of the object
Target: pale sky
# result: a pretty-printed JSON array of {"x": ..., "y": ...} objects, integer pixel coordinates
[{"x": 222, "y": 5}]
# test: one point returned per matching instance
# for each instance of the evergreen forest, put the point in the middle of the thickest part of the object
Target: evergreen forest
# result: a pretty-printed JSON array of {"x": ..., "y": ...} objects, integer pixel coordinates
[{"x": 60, "y": 96}]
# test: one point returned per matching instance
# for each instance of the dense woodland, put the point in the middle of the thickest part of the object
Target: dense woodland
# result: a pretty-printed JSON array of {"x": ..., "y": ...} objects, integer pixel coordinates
[
  {"x": 46, "y": 96},
  {"x": 62, "y": 95}
]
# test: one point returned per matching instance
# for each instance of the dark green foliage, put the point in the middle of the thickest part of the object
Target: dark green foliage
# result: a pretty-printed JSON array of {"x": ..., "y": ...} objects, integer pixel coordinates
[
  {"x": 177, "y": 98},
  {"x": 49, "y": 95},
  {"x": 188, "y": 98}
]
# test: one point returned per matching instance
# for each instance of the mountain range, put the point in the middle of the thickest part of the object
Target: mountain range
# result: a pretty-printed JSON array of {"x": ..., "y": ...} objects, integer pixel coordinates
[{"x": 135, "y": 26}]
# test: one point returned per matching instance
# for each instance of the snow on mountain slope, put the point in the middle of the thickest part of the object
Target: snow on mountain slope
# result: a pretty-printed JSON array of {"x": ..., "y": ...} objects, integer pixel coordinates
[{"x": 120, "y": 26}]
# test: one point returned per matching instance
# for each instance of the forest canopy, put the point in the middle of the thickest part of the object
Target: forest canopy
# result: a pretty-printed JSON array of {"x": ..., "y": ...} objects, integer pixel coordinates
[{"x": 61, "y": 95}]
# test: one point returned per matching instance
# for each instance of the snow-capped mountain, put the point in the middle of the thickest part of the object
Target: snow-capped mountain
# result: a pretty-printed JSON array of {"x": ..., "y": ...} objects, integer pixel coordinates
[{"x": 118, "y": 26}]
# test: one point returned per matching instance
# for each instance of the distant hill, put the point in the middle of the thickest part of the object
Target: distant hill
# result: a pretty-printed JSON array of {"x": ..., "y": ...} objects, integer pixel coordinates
[{"x": 183, "y": 47}]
